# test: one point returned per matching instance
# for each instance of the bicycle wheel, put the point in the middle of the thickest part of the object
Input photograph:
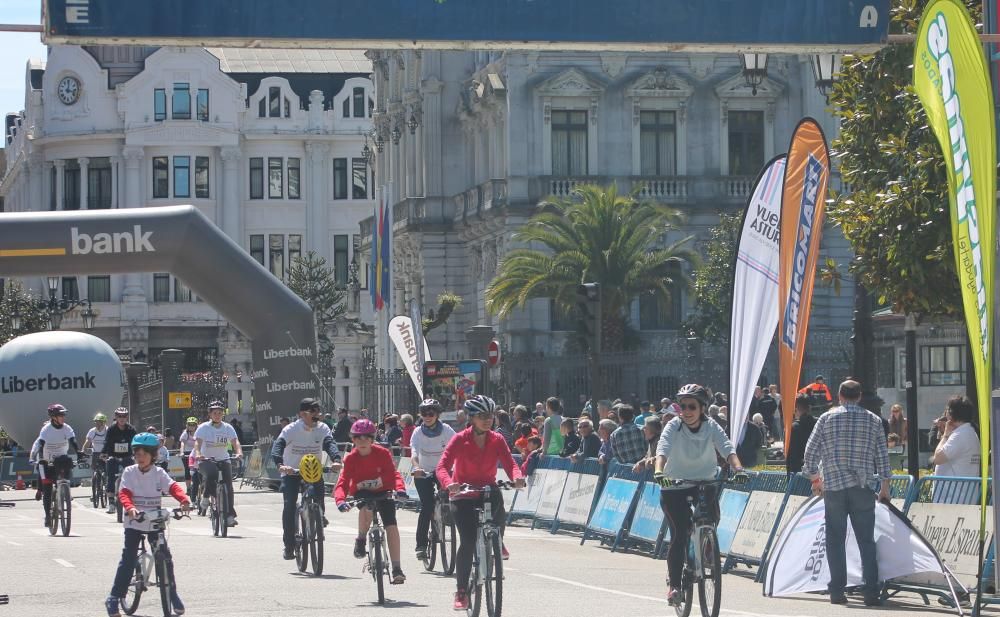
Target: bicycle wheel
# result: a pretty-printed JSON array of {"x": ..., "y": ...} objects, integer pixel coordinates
[
  {"x": 164, "y": 583},
  {"x": 222, "y": 501},
  {"x": 710, "y": 583},
  {"x": 301, "y": 550},
  {"x": 687, "y": 589},
  {"x": 378, "y": 567},
  {"x": 54, "y": 513},
  {"x": 95, "y": 489},
  {"x": 102, "y": 496},
  {"x": 315, "y": 538},
  {"x": 475, "y": 586},
  {"x": 66, "y": 509},
  {"x": 448, "y": 548},
  {"x": 430, "y": 552},
  {"x": 130, "y": 603},
  {"x": 118, "y": 504},
  {"x": 493, "y": 579}
]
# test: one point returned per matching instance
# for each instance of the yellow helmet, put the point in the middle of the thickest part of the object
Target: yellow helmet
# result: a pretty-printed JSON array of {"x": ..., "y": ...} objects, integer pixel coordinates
[
  {"x": 310, "y": 469},
  {"x": 192, "y": 420}
]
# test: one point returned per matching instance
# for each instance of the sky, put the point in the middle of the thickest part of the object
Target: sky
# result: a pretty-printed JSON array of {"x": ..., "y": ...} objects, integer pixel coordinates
[{"x": 15, "y": 50}]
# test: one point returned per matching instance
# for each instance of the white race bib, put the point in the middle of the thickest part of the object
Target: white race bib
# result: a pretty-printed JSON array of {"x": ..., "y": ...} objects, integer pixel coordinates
[{"x": 121, "y": 448}]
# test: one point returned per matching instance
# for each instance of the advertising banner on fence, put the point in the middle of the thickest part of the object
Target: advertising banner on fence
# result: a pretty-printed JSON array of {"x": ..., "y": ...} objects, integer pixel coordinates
[
  {"x": 577, "y": 497},
  {"x": 731, "y": 506},
  {"x": 798, "y": 563},
  {"x": 953, "y": 531},
  {"x": 951, "y": 79},
  {"x": 403, "y": 337},
  {"x": 803, "y": 201},
  {"x": 648, "y": 517},
  {"x": 612, "y": 506},
  {"x": 755, "y": 291}
]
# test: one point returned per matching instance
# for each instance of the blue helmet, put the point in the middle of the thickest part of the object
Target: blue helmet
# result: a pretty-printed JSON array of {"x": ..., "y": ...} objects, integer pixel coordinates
[{"x": 147, "y": 440}]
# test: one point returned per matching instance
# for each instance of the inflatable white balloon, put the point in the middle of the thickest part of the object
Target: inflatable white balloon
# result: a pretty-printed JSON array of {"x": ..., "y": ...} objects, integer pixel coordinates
[{"x": 78, "y": 370}]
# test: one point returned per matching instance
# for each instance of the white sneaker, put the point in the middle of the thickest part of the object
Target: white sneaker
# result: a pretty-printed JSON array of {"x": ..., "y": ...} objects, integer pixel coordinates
[
  {"x": 205, "y": 503},
  {"x": 231, "y": 521},
  {"x": 111, "y": 509}
]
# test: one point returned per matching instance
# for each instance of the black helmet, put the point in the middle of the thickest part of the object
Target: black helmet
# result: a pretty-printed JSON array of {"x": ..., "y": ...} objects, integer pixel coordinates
[{"x": 693, "y": 390}]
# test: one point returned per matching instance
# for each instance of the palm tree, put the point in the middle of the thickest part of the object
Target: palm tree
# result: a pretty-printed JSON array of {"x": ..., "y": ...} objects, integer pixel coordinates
[{"x": 597, "y": 236}]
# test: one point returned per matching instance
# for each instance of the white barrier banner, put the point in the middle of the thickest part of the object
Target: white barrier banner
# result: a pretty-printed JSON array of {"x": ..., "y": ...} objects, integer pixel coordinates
[
  {"x": 756, "y": 524},
  {"x": 798, "y": 563},
  {"x": 527, "y": 500},
  {"x": 953, "y": 531},
  {"x": 405, "y": 469},
  {"x": 577, "y": 497},
  {"x": 508, "y": 496},
  {"x": 551, "y": 493},
  {"x": 755, "y": 293}
]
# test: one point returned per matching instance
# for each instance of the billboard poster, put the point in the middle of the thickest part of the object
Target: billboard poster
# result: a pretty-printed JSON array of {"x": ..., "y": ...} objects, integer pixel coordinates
[{"x": 453, "y": 382}]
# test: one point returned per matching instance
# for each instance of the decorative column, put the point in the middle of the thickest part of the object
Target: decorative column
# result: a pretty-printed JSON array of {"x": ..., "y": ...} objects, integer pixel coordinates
[
  {"x": 47, "y": 196},
  {"x": 36, "y": 179},
  {"x": 231, "y": 225},
  {"x": 60, "y": 183},
  {"x": 115, "y": 162},
  {"x": 431, "y": 128},
  {"x": 84, "y": 184},
  {"x": 317, "y": 217},
  {"x": 410, "y": 153},
  {"x": 133, "y": 199}
]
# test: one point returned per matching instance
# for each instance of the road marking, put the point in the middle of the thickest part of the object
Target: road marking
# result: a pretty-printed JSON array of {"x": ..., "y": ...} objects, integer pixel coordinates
[
  {"x": 12, "y": 543},
  {"x": 64, "y": 563}
]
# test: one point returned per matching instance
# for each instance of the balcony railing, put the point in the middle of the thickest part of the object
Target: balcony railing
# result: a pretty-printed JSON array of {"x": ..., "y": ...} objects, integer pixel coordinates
[
  {"x": 735, "y": 187},
  {"x": 479, "y": 199},
  {"x": 665, "y": 188}
]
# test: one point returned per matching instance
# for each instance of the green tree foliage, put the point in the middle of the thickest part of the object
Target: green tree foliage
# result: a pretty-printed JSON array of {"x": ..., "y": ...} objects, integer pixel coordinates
[
  {"x": 316, "y": 283},
  {"x": 33, "y": 317},
  {"x": 713, "y": 282},
  {"x": 597, "y": 236},
  {"x": 895, "y": 213},
  {"x": 448, "y": 303}
]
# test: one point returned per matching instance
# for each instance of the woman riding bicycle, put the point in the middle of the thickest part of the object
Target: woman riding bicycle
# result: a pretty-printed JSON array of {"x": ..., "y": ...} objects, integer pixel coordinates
[
  {"x": 471, "y": 458},
  {"x": 427, "y": 444},
  {"x": 687, "y": 451}
]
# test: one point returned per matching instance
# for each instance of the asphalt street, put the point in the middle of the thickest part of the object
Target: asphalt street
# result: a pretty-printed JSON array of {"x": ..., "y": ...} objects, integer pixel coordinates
[{"x": 244, "y": 575}]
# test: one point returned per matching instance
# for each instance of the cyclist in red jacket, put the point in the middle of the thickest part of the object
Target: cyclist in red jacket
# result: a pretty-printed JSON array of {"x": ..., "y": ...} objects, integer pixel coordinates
[
  {"x": 368, "y": 471},
  {"x": 471, "y": 458}
]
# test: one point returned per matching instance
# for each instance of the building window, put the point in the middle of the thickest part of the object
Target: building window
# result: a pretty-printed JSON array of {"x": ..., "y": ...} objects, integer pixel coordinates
[
  {"x": 161, "y": 177},
  {"x": 201, "y": 177},
  {"x": 203, "y": 104},
  {"x": 99, "y": 288},
  {"x": 182, "y": 176},
  {"x": 346, "y": 108},
  {"x": 181, "y": 104},
  {"x": 71, "y": 186},
  {"x": 362, "y": 269},
  {"x": 53, "y": 181},
  {"x": 294, "y": 178},
  {"x": 885, "y": 367},
  {"x": 294, "y": 248},
  {"x": 262, "y": 107},
  {"x": 359, "y": 102},
  {"x": 340, "y": 178},
  {"x": 159, "y": 104},
  {"x": 340, "y": 259},
  {"x": 359, "y": 171},
  {"x": 276, "y": 244},
  {"x": 257, "y": 248},
  {"x": 274, "y": 102},
  {"x": 657, "y": 143},
  {"x": 161, "y": 287},
  {"x": 257, "y": 178},
  {"x": 99, "y": 184},
  {"x": 657, "y": 313},
  {"x": 274, "y": 180},
  {"x": 182, "y": 293},
  {"x": 569, "y": 143},
  {"x": 70, "y": 288},
  {"x": 942, "y": 365},
  {"x": 746, "y": 142}
]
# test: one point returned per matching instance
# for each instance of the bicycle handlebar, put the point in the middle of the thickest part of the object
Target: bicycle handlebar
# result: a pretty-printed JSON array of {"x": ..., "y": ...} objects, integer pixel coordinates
[{"x": 175, "y": 513}]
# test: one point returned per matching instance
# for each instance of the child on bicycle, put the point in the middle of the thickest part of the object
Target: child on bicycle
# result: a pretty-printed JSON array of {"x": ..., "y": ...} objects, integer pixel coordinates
[
  {"x": 369, "y": 471},
  {"x": 142, "y": 488}
]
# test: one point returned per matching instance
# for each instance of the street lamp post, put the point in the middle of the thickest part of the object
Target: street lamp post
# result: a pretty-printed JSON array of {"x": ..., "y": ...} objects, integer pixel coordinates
[
  {"x": 54, "y": 308},
  {"x": 754, "y": 69},
  {"x": 825, "y": 69}
]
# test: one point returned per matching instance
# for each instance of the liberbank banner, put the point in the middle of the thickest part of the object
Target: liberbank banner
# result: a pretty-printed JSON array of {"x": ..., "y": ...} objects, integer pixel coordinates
[
  {"x": 182, "y": 241},
  {"x": 623, "y": 25},
  {"x": 803, "y": 203},
  {"x": 951, "y": 79}
]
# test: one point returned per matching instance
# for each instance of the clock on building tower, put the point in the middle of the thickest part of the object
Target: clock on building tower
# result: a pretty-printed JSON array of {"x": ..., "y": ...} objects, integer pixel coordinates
[{"x": 69, "y": 90}]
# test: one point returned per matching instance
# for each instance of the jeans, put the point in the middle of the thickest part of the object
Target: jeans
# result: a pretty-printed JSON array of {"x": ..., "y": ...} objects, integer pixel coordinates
[
  {"x": 59, "y": 467},
  {"x": 858, "y": 503},
  {"x": 290, "y": 492},
  {"x": 114, "y": 465},
  {"x": 677, "y": 512},
  {"x": 210, "y": 472},
  {"x": 427, "y": 489},
  {"x": 126, "y": 567},
  {"x": 467, "y": 522}
]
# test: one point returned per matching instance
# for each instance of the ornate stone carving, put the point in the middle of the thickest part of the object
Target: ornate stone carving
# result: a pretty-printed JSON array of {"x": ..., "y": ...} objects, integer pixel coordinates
[
  {"x": 660, "y": 82},
  {"x": 133, "y": 155},
  {"x": 701, "y": 65},
  {"x": 231, "y": 154},
  {"x": 613, "y": 63},
  {"x": 735, "y": 87},
  {"x": 571, "y": 82}
]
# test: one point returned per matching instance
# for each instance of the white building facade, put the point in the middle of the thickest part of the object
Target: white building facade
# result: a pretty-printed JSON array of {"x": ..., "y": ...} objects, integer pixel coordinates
[{"x": 267, "y": 144}]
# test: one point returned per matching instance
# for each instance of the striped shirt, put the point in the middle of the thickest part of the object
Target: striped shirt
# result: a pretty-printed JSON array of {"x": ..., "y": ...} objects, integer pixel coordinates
[{"x": 848, "y": 441}]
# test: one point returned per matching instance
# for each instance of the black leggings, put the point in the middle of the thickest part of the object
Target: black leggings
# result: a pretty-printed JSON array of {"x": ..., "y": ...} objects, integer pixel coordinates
[
  {"x": 467, "y": 522},
  {"x": 677, "y": 512},
  {"x": 427, "y": 489}
]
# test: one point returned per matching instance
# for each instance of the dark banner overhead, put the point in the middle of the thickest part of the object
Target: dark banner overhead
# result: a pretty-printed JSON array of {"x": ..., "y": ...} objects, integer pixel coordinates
[{"x": 626, "y": 25}]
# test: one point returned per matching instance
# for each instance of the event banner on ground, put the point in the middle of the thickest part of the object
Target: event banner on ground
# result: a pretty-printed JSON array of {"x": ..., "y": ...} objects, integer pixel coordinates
[{"x": 624, "y": 25}]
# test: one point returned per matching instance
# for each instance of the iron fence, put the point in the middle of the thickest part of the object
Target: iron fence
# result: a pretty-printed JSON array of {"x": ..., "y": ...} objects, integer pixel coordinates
[{"x": 385, "y": 391}]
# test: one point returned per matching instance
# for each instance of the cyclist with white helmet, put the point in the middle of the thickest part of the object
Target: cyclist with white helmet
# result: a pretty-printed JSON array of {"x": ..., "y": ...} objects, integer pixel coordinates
[
  {"x": 52, "y": 453},
  {"x": 213, "y": 440},
  {"x": 117, "y": 451},
  {"x": 307, "y": 435},
  {"x": 687, "y": 451},
  {"x": 427, "y": 445},
  {"x": 95, "y": 441},
  {"x": 369, "y": 471},
  {"x": 472, "y": 458},
  {"x": 187, "y": 442}
]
